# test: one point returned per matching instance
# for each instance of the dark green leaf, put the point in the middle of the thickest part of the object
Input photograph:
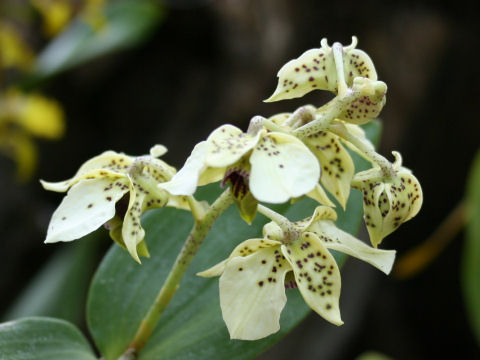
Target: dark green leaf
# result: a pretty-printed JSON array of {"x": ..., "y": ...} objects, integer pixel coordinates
[
  {"x": 471, "y": 253},
  {"x": 39, "y": 338},
  {"x": 59, "y": 289},
  {"x": 192, "y": 326}
]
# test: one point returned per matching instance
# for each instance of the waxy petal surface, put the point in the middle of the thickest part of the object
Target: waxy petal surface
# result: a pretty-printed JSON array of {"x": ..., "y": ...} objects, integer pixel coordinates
[
  {"x": 87, "y": 206},
  {"x": 184, "y": 182},
  {"x": 336, "y": 239},
  {"x": 227, "y": 144},
  {"x": 316, "y": 274},
  {"x": 245, "y": 248},
  {"x": 337, "y": 165},
  {"x": 315, "y": 69},
  {"x": 252, "y": 294},
  {"x": 108, "y": 163},
  {"x": 282, "y": 168}
]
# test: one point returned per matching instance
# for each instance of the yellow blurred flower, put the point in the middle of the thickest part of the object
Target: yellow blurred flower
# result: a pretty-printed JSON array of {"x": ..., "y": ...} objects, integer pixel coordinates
[
  {"x": 23, "y": 116},
  {"x": 55, "y": 13},
  {"x": 14, "y": 51}
]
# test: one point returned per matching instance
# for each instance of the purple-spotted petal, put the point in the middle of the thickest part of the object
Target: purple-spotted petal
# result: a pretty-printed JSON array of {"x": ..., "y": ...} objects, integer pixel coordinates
[
  {"x": 88, "y": 205},
  {"x": 252, "y": 293},
  {"x": 316, "y": 274},
  {"x": 282, "y": 168}
]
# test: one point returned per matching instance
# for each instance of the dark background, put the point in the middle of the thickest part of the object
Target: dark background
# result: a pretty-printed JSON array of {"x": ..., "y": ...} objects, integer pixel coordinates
[{"x": 212, "y": 62}]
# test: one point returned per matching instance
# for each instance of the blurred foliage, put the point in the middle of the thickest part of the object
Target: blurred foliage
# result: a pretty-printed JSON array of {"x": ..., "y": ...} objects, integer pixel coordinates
[
  {"x": 59, "y": 289},
  {"x": 471, "y": 251},
  {"x": 81, "y": 32}
]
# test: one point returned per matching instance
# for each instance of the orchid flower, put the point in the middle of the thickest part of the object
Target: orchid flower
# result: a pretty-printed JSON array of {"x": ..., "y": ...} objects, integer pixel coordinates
[
  {"x": 254, "y": 277},
  {"x": 112, "y": 189}
]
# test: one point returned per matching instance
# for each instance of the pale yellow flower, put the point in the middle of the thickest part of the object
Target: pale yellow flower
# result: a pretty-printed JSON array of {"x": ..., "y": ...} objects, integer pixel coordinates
[
  {"x": 254, "y": 277},
  {"x": 388, "y": 201},
  {"x": 315, "y": 69},
  {"x": 273, "y": 166},
  {"x": 112, "y": 188}
]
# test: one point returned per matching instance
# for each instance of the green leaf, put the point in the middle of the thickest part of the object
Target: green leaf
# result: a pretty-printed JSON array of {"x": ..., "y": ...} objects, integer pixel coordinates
[
  {"x": 38, "y": 338},
  {"x": 471, "y": 251},
  {"x": 59, "y": 288},
  {"x": 128, "y": 22},
  {"x": 192, "y": 326}
]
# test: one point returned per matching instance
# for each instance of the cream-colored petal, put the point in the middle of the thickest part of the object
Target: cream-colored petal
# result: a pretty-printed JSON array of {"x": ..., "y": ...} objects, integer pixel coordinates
[
  {"x": 356, "y": 63},
  {"x": 373, "y": 202},
  {"x": 87, "y": 206},
  {"x": 272, "y": 231},
  {"x": 320, "y": 213},
  {"x": 414, "y": 192},
  {"x": 108, "y": 163},
  {"x": 63, "y": 186},
  {"x": 185, "y": 181},
  {"x": 320, "y": 195},
  {"x": 337, "y": 165},
  {"x": 282, "y": 168},
  {"x": 316, "y": 274},
  {"x": 227, "y": 144},
  {"x": 252, "y": 294},
  {"x": 132, "y": 230},
  {"x": 336, "y": 239},
  {"x": 315, "y": 69},
  {"x": 404, "y": 195},
  {"x": 279, "y": 119},
  {"x": 367, "y": 106},
  {"x": 245, "y": 248},
  {"x": 211, "y": 175},
  {"x": 158, "y": 150}
]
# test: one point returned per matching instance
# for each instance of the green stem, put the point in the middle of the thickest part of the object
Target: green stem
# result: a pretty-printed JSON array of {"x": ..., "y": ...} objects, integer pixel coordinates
[
  {"x": 197, "y": 234},
  {"x": 328, "y": 114},
  {"x": 366, "y": 148},
  {"x": 290, "y": 233}
]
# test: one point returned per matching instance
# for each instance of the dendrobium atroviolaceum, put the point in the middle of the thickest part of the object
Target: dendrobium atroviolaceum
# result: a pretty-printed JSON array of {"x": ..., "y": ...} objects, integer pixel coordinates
[
  {"x": 389, "y": 199},
  {"x": 112, "y": 189},
  {"x": 273, "y": 166},
  {"x": 254, "y": 277}
]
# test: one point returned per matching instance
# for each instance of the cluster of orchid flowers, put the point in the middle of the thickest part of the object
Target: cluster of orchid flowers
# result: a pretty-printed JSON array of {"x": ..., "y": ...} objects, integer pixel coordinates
[{"x": 277, "y": 159}]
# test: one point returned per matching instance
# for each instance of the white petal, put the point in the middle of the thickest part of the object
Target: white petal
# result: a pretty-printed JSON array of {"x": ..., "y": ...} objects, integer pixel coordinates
[
  {"x": 320, "y": 213},
  {"x": 227, "y": 144},
  {"x": 87, "y": 206},
  {"x": 105, "y": 164},
  {"x": 185, "y": 181},
  {"x": 282, "y": 168},
  {"x": 317, "y": 275},
  {"x": 132, "y": 230},
  {"x": 315, "y": 69},
  {"x": 245, "y": 248},
  {"x": 252, "y": 294},
  {"x": 336, "y": 239},
  {"x": 158, "y": 150},
  {"x": 319, "y": 194},
  {"x": 337, "y": 165}
]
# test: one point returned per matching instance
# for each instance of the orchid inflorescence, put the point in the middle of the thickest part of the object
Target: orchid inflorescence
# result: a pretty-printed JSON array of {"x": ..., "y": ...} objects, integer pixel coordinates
[{"x": 280, "y": 158}]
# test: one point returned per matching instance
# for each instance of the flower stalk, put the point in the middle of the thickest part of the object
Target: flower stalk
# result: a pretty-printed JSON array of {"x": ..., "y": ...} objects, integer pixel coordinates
[
  {"x": 194, "y": 240},
  {"x": 366, "y": 148},
  {"x": 290, "y": 233}
]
